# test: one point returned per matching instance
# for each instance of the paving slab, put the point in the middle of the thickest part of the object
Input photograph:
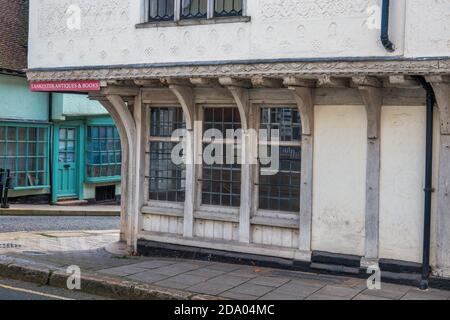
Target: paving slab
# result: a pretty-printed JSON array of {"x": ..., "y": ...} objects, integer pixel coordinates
[
  {"x": 123, "y": 271},
  {"x": 341, "y": 292},
  {"x": 418, "y": 295},
  {"x": 148, "y": 277},
  {"x": 270, "y": 281},
  {"x": 252, "y": 289}
]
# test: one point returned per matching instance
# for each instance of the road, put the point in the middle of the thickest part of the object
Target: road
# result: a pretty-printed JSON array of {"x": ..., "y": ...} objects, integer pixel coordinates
[
  {"x": 17, "y": 290},
  {"x": 22, "y": 223}
]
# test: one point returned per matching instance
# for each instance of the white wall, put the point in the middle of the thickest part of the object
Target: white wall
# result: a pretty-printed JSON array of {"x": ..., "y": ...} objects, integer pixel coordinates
[
  {"x": 340, "y": 152},
  {"x": 278, "y": 29},
  {"x": 402, "y": 182}
]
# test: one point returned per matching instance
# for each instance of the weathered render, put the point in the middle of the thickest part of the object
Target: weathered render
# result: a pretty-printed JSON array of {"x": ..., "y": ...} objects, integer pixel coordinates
[{"x": 362, "y": 117}]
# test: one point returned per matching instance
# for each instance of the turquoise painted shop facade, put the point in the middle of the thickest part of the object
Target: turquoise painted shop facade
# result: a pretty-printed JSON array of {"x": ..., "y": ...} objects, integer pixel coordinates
[{"x": 59, "y": 146}]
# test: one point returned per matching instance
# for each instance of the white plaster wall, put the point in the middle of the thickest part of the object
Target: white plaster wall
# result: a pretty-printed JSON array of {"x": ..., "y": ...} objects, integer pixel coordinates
[
  {"x": 278, "y": 29},
  {"x": 402, "y": 182},
  {"x": 427, "y": 28},
  {"x": 340, "y": 152}
]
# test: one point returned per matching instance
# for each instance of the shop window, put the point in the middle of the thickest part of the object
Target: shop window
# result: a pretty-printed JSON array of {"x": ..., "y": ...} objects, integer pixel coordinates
[
  {"x": 281, "y": 191},
  {"x": 167, "y": 179},
  {"x": 104, "y": 153},
  {"x": 24, "y": 151},
  {"x": 221, "y": 180}
]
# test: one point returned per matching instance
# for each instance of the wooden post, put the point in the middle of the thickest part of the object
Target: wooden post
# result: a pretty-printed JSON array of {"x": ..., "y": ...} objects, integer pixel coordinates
[
  {"x": 185, "y": 95},
  {"x": 371, "y": 93},
  {"x": 441, "y": 86},
  {"x": 303, "y": 92}
]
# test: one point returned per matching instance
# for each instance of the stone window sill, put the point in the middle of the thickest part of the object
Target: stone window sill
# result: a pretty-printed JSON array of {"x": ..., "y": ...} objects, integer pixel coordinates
[{"x": 192, "y": 22}]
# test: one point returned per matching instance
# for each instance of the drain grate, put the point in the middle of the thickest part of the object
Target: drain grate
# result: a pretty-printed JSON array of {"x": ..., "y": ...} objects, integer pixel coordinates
[{"x": 10, "y": 246}]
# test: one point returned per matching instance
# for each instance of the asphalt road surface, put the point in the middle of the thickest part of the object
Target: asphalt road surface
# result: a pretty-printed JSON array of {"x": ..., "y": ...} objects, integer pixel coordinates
[
  {"x": 11, "y": 290},
  {"x": 23, "y": 223}
]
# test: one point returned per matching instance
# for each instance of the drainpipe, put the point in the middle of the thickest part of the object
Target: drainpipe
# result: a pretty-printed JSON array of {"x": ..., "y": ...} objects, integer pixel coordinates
[
  {"x": 431, "y": 100},
  {"x": 387, "y": 43}
]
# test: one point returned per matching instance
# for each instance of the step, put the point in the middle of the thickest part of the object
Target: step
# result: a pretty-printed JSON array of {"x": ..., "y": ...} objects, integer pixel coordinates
[
  {"x": 336, "y": 269},
  {"x": 67, "y": 203}
]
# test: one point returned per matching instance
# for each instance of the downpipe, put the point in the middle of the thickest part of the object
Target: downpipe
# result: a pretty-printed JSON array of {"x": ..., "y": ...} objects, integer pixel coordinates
[
  {"x": 431, "y": 100},
  {"x": 387, "y": 43}
]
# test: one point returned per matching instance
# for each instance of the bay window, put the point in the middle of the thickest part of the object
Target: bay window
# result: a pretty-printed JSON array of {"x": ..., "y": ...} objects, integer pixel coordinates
[{"x": 104, "y": 155}]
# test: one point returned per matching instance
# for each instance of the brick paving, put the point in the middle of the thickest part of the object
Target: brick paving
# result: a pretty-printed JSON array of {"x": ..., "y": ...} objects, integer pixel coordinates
[{"x": 86, "y": 249}]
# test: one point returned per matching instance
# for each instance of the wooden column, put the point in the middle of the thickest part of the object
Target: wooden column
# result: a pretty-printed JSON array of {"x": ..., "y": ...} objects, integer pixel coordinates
[
  {"x": 140, "y": 117},
  {"x": 114, "y": 103},
  {"x": 371, "y": 93},
  {"x": 185, "y": 95},
  {"x": 441, "y": 86},
  {"x": 239, "y": 91},
  {"x": 303, "y": 91}
]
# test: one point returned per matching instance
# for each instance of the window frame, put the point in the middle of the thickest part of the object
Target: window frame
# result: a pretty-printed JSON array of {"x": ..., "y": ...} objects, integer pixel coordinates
[
  {"x": 46, "y": 156},
  {"x": 267, "y": 213},
  {"x": 210, "y": 13},
  {"x": 159, "y": 205},
  {"x": 206, "y": 211},
  {"x": 101, "y": 179}
]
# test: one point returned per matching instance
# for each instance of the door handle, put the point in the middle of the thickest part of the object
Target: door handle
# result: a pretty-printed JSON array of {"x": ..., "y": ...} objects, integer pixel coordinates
[{"x": 67, "y": 166}]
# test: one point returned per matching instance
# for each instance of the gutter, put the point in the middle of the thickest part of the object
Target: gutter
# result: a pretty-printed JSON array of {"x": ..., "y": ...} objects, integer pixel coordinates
[
  {"x": 431, "y": 100},
  {"x": 387, "y": 43}
]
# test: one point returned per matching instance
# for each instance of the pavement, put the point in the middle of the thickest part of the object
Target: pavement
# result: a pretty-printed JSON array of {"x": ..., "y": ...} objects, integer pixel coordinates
[
  {"x": 44, "y": 257},
  {"x": 54, "y": 210},
  {"x": 65, "y": 223}
]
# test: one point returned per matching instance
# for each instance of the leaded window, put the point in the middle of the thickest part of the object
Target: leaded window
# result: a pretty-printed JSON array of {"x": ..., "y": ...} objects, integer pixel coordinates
[
  {"x": 161, "y": 10},
  {"x": 281, "y": 191},
  {"x": 24, "y": 151},
  {"x": 194, "y": 9},
  {"x": 167, "y": 178},
  {"x": 104, "y": 152},
  {"x": 221, "y": 180},
  {"x": 227, "y": 8}
]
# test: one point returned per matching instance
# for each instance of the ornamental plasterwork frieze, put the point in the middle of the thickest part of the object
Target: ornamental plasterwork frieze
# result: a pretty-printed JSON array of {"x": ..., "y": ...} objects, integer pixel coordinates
[
  {"x": 99, "y": 16},
  {"x": 342, "y": 68},
  {"x": 315, "y": 9}
]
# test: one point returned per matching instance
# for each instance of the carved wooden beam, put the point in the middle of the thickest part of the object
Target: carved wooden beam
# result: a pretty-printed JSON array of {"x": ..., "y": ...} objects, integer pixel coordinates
[
  {"x": 303, "y": 91},
  {"x": 364, "y": 81},
  {"x": 149, "y": 83},
  {"x": 239, "y": 90},
  {"x": 205, "y": 82},
  {"x": 299, "y": 82},
  {"x": 333, "y": 82},
  {"x": 401, "y": 81},
  {"x": 185, "y": 96},
  {"x": 235, "y": 82},
  {"x": 264, "y": 82},
  {"x": 112, "y": 90},
  {"x": 441, "y": 87}
]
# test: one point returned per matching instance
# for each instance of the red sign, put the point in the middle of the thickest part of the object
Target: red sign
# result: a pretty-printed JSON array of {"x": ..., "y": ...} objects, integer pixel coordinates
[{"x": 61, "y": 86}]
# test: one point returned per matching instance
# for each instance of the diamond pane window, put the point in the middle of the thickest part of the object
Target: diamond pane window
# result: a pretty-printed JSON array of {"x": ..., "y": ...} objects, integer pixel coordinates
[
  {"x": 167, "y": 179},
  {"x": 281, "y": 192},
  {"x": 104, "y": 152},
  {"x": 24, "y": 151}
]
